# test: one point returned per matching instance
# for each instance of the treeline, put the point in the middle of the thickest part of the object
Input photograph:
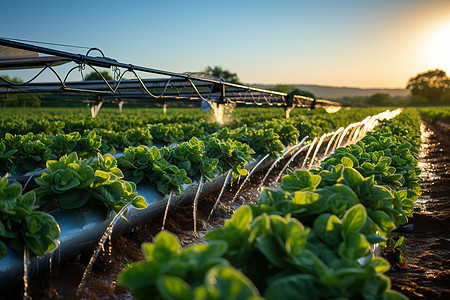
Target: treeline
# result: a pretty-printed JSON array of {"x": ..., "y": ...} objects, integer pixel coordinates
[{"x": 382, "y": 99}]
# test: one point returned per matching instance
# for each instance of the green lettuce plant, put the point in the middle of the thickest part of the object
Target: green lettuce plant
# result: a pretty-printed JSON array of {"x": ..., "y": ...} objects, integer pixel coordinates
[
  {"x": 191, "y": 130},
  {"x": 111, "y": 140},
  {"x": 287, "y": 133},
  {"x": 31, "y": 151},
  {"x": 141, "y": 164},
  {"x": 262, "y": 141},
  {"x": 72, "y": 182},
  {"x": 138, "y": 136},
  {"x": 88, "y": 146},
  {"x": 7, "y": 159},
  {"x": 62, "y": 144},
  {"x": 21, "y": 225},
  {"x": 232, "y": 155},
  {"x": 300, "y": 180},
  {"x": 195, "y": 272},
  {"x": 285, "y": 259},
  {"x": 167, "y": 134},
  {"x": 192, "y": 157}
]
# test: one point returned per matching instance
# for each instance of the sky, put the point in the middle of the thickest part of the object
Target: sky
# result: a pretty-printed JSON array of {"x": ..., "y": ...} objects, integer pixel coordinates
[{"x": 352, "y": 43}]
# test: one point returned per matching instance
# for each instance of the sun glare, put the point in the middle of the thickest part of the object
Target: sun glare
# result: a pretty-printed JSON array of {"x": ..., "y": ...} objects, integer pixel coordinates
[{"x": 439, "y": 48}]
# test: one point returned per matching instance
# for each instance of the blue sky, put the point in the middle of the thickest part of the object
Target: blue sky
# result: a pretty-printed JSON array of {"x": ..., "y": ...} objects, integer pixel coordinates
[{"x": 343, "y": 43}]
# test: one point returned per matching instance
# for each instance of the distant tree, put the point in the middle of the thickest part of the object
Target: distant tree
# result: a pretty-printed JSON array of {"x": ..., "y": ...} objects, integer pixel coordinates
[
  {"x": 352, "y": 100},
  {"x": 14, "y": 79},
  {"x": 95, "y": 76},
  {"x": 16, "y": 100},
  {"x": 379, "y": 99},
  {"x": 303, "y": 93},
  {"x": 283, "y": 88},
  {"x": 431, "y": 84},
  {"x": 226, "y": 75},
  {"x": 445, "y": 99}
]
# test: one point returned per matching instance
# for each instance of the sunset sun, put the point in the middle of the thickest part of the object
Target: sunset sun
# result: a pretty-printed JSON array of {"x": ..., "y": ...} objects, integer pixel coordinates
[{"x": 439, "y": 47}]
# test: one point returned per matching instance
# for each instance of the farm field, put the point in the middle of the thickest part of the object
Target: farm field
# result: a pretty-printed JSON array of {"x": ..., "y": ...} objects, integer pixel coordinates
[
  {"x": 384, "y": 163},
  {"x": 225, "y": 150}
]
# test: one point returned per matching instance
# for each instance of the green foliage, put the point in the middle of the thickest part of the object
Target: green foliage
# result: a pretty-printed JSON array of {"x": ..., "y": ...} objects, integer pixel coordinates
[
  {"x": 379, "y": 99},
  {"x": 393, "y": 244},
  {"x": 386, "y": 208},
  {"x": 192, "y": 157},
  {"x": 432, "y": 114},
  {"x": 96, "y": 76},
  {"x": 88, "y": 146},
  {"x": 62, "y": 144},
  {"x": 219, "y": 72},
  {"x": 232, "y": 155},
  {"x": 28, "y": 151},
  {"x": 138, "y": 136},
  {"x": 194, "y": 272},
  {"x": 299, "y": 180},
  {"x": 141, "y": 164},
  {"x": 288, "y": 134},
  {"x": 354, "y": 200},
  {"x": 290, "y": 89},
  {"x": 386, "y": 161},
  {"x": 362, "y": 189},
  {"x": 194, "y": 129},
  {"x": 285, "y": 259},
  {"x": 262, "y": 141},
  {"x": 31, "y": 151},
  {"x": 393, "y": 252},
  {"x": 111, "y": 140},
  {"x": 71, "y": 182},
  {"x": 344, "y": 234},
  {"x": 431, "y": 84},
  {"x": 14, "y": 79},
  {"x": 7, "y": 159},
  {"x": 167, "y": 134},
  {"x": 21, "y": 225}
]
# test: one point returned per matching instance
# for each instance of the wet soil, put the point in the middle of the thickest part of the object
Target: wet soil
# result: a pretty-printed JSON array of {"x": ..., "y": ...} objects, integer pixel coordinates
[
  {"x": 427, "y": 275},
  {"x": 427, "y": 249}
]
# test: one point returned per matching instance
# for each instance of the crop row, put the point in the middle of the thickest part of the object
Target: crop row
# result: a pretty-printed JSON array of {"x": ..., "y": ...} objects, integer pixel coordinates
[
  {"x": 304, "y": 240},
  {"x": 432, "y": 114},
  {"x": 74, "y": 180},
  {"x": 109, "y": 183},
  {"x": 62, "y": 120},
  {"x": 22, "y": 153}
]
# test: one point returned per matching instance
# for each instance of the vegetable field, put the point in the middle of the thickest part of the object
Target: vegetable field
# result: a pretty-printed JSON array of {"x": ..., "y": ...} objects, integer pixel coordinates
[{"x": 310, "y": 236}]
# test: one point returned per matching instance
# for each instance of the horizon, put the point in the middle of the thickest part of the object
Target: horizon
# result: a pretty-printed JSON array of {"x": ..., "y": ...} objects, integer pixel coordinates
[
  {"x": 348, "y": 44},
  {"x": 332, "y": 86}
]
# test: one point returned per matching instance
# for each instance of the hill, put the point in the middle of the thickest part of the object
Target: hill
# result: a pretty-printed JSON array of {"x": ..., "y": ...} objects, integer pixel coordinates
[{"x": 334, "y": 92}]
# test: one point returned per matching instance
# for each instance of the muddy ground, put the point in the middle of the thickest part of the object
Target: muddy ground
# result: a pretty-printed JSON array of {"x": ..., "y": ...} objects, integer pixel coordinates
[{"x": 426, "y": 276}]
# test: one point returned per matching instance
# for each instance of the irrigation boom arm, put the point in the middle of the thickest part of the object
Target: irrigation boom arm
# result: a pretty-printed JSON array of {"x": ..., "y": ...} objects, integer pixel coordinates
[{"x": 179, "y": 86}]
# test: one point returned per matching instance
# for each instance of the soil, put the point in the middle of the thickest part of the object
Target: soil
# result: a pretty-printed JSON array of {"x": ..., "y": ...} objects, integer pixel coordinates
[{"x": 426, "y": 276}]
